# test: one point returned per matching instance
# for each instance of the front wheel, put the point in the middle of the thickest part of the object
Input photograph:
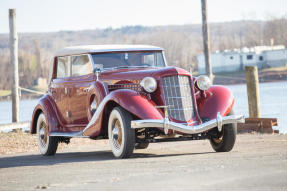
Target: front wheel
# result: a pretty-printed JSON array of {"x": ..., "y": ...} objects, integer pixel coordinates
[
  {"x": 225, "y": 140},
  {"x": 47, "y": 145},
  {"x": 121, "y": 135}
]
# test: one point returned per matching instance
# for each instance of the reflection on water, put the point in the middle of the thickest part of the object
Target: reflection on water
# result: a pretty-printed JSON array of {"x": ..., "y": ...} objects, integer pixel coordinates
[
  {"x": 273, "y": 101},
  {"x": 25, "y": 110}
]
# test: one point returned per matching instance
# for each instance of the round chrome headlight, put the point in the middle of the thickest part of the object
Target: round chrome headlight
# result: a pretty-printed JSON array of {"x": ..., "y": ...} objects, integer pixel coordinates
[
  {"x": 149, "y": 84},
  {"x": 203, "y": 82}
]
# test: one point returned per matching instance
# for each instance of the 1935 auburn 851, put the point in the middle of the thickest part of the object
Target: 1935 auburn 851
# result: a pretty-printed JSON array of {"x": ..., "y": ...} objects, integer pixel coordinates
[{"x": 128, "y": 94}]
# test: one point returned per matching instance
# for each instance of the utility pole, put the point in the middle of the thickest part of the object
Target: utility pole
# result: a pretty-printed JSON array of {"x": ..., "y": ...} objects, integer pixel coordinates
[
  {"x": 14, "y": 64},
  {"x": 206, "y": 43}
]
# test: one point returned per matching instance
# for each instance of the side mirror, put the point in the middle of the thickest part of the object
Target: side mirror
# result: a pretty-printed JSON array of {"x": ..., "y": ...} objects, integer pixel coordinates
[{"x": 97, "y": 70}]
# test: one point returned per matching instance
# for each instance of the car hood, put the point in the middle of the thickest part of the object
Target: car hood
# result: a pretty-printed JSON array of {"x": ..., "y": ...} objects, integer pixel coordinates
[{"x": 140, "y": 73}]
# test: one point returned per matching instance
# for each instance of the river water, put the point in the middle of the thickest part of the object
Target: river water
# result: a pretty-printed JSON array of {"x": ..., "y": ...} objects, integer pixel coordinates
[{"x": 273, "y": 101}]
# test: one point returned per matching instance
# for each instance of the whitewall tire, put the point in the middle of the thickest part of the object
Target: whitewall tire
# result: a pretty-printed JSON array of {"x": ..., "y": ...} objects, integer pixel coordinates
[
  {"x": 121, "y": 135},
  {"x": 47, "y": 145}
]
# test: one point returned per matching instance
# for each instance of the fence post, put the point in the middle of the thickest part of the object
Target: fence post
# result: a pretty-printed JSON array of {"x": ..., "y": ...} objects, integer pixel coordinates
[
  {"x": 252, "y": 82},
  {"x": 14, "y": 64}
]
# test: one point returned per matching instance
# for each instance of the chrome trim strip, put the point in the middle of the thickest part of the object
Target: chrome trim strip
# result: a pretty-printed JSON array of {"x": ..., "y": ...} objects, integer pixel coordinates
[
  {"x": 167, "y": 125},
  {"x": 105, "y": 87},
  {"x": 176, "y": 86},
  {"x": 67, "y": 134}
]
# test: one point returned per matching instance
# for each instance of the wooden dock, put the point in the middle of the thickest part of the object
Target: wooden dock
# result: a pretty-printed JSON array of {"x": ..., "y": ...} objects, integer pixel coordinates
[{"x": 261, "y": 125}]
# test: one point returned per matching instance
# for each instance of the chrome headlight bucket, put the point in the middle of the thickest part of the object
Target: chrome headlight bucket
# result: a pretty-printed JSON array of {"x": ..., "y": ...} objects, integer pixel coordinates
[
  {"x": 203, "y": 82},
  {"x": 149, "y": 84}
]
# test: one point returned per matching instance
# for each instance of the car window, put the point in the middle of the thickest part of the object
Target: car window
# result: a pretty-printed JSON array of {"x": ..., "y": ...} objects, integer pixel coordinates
[
  {"x": 81, "y": 65},
  {"x": 129, "y": 59},
  {"x": 63, "y": 68}
]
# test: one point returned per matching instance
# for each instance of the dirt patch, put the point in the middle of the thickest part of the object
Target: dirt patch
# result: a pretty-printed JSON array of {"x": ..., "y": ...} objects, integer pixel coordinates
[{"x": 20, "y": 142}]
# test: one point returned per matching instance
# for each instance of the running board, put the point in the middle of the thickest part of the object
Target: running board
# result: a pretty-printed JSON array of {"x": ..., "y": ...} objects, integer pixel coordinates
[{"x": 68, "y": 134}]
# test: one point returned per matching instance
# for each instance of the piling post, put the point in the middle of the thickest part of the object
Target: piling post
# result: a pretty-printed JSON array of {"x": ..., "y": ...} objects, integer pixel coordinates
[
  {"x": 205, "y": 37},
  {"x": 14, "y": 64},
  {"x": 252, "y": 82}
]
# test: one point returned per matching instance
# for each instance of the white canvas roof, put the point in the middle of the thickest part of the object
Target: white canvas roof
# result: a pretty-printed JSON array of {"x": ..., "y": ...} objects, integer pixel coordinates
[{"x": 72, "y": 50}]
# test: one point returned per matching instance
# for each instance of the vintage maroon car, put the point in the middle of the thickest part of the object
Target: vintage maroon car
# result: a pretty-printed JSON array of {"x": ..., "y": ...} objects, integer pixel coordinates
[{"x": 128, "y": 94}]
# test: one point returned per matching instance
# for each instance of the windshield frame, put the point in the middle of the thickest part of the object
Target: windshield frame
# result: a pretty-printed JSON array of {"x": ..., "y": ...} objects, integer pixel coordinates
[{"x": 137, "y": 51}]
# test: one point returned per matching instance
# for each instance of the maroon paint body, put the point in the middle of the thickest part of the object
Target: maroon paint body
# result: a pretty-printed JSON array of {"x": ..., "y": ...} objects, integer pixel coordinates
[{"x": 76, "y": 93}]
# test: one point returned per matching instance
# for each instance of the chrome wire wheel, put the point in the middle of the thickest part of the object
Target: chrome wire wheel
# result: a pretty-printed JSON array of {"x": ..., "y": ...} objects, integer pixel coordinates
[
  {"x": 220, "y": 138},
  {"x": 43, "y": 134},
  {"x": 117, "y": 134},
  {"x": 47, "y": 145}
]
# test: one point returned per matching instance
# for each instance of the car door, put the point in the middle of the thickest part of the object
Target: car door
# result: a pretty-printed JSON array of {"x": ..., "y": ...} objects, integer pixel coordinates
[
  {"x": 81, "y": 79},
  {"x": 59, "y": 90}
]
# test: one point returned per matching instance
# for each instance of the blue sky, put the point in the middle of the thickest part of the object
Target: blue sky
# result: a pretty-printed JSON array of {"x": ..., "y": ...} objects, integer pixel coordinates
[{"x": 55, "y": 15}]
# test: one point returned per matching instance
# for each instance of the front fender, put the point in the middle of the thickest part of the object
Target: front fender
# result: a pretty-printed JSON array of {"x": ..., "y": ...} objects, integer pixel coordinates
[
  {"x": 137, "y": 104},
  {"x": 216, "y": 99},
  {"x": 130, "y": 100},
  {"x": 44, "y": 105}
]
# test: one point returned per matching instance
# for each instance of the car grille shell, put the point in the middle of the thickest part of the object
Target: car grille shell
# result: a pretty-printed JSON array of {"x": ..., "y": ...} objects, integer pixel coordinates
[{"x": 178, "y": 97}]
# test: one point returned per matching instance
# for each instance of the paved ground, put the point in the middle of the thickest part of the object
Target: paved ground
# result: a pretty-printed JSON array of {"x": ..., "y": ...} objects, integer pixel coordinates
[{"x": 257, "y": 162}]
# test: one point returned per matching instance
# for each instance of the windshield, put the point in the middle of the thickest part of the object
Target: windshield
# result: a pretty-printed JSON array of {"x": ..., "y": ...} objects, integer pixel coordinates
[{"x": 128, "y": 59}]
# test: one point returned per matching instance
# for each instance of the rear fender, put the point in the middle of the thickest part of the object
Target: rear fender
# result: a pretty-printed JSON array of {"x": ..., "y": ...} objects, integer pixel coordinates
[
  {"x": 215, "y": 99},
  {"x": 45, "y": 106},
  {"x": 137, "y": 104}
]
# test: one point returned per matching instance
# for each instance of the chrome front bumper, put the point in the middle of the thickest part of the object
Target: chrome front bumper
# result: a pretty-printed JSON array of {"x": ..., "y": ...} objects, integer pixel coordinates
[{"x": 169, "y": 125}]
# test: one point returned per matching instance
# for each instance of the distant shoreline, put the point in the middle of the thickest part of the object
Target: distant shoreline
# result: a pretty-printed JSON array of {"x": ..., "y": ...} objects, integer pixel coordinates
[
  {"x": 239, "y": 78},
  {"x": 23, "y": 97}
]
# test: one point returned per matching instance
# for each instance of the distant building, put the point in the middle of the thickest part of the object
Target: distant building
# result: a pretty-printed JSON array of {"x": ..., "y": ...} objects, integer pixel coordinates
[{"x": 235, "y": 60}]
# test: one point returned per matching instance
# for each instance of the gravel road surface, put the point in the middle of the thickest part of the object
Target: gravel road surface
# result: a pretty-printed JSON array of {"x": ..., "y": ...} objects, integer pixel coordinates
[{"x": 257, "y": 162}]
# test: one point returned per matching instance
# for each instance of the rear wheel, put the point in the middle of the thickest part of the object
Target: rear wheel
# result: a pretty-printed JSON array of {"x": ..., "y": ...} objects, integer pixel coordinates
[
  {"x": 121, "y": 135},
  {"x": 225, "y": 140},
  {"x": 47, "y": 145}
]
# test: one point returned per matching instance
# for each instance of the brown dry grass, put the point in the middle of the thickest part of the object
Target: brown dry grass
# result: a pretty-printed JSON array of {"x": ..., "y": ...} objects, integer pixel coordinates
[
  {"x": 20, "y": 142},
  {"x": 17, "y": 142}
]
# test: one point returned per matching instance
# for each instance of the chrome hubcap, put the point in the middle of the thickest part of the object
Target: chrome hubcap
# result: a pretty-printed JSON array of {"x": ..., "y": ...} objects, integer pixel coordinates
[
  {"x": 117, "y": 134},
  {"x": 43, "y": 134}
]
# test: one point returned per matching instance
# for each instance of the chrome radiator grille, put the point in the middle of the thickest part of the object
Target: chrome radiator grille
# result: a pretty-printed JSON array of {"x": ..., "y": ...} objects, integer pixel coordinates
[{"x": 178, "y": 97}]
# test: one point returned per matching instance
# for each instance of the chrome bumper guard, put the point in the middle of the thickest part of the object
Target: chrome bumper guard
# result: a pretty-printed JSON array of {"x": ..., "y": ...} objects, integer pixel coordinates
[{"x": 169, "y": 125}]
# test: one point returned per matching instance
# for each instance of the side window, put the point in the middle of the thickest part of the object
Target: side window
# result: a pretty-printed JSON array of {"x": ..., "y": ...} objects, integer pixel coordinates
[
  {"x": 63, "y": 69},
  {"x": 81, "y": 65}
]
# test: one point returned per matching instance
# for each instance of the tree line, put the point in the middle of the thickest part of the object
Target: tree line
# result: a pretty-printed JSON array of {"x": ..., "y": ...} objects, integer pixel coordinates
[{"x": 181, "y": 43}]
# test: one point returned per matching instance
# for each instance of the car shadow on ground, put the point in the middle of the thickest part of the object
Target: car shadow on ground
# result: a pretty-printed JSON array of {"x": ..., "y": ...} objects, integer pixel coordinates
[{"x": 72, "y": 157}]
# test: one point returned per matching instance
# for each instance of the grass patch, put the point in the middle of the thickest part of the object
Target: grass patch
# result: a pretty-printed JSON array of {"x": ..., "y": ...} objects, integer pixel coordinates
[{"x": 5, "y": 93}]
